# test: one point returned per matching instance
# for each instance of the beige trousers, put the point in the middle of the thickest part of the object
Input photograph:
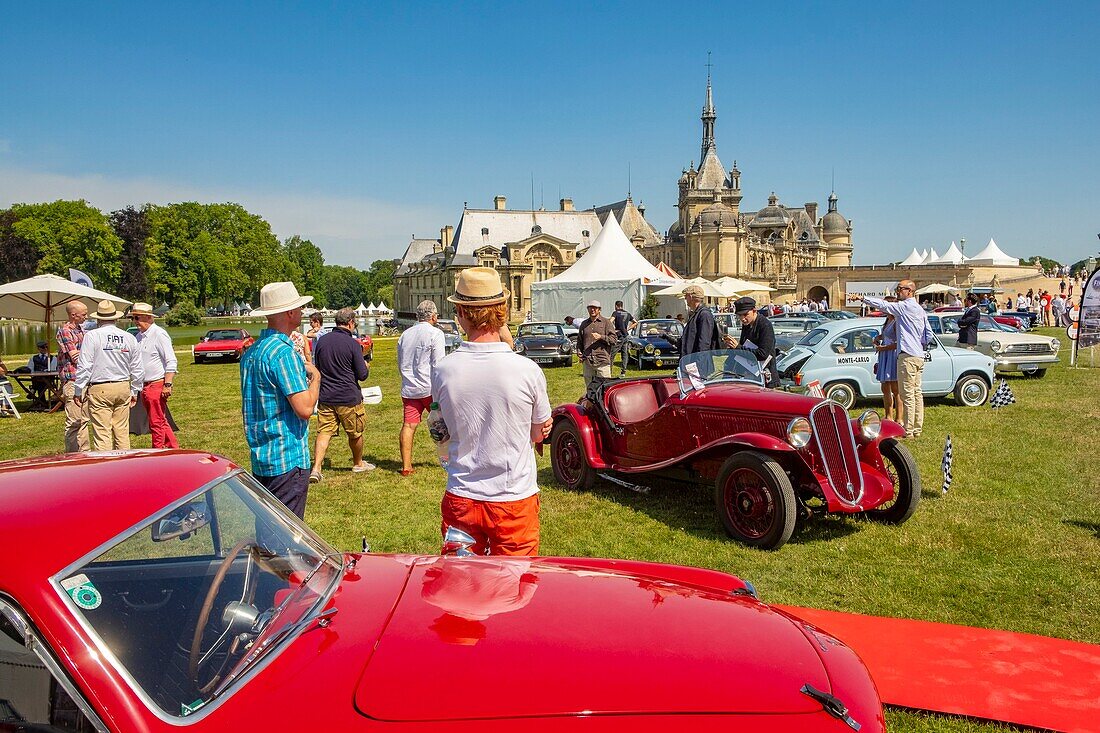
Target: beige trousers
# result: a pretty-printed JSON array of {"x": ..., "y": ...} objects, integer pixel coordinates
[
  {"x": 109, "y": 415},
  {"x": 910, "y": 371},
  {"x": 76, "y": 421},
  {"x": 591, "y": 372}
]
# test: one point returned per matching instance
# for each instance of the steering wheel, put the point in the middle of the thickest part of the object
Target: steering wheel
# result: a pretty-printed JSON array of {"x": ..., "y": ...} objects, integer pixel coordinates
[{"x": 248, "y": 591}]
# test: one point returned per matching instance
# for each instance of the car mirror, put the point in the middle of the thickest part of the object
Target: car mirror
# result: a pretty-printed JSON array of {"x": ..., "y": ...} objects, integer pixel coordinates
[
  {"x": 182, "y": 522},
  {"x": 458, "y": 543}
]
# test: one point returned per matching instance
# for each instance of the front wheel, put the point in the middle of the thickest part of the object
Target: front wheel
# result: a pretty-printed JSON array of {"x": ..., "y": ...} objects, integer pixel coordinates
[
  {"x": 903, "y": 473},
  {"x": 567, "y": 457},
  {"x": 971, "y": 391},
  {"x": 841, "y": 393},
  {"x": 755, "y": 500}
]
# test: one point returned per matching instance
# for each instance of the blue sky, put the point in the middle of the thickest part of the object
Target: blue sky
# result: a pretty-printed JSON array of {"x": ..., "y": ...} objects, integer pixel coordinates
[{"x": 360, "y": 124}]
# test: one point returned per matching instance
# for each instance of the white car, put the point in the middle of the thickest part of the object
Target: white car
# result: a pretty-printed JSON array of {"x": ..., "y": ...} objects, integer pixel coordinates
[
  {"x": 1011, "y": 350},
  {"x": 841, "y": 356}
]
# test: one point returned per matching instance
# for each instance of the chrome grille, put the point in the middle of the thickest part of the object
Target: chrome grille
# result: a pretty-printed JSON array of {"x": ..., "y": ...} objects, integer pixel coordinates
[
  {"x": 1028, "y": 349},
  {"x": 836, "y": 446}
]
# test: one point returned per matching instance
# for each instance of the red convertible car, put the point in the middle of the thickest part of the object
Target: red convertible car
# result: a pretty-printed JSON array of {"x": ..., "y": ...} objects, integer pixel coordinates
[
  {"x": 770, "y": 455},
  {"x": 175, "y": 593},
  {"x": 222, "y": 343}
]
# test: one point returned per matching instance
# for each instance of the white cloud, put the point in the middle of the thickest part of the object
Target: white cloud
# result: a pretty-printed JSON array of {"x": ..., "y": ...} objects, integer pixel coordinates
[{"x": 349, "y": 230}]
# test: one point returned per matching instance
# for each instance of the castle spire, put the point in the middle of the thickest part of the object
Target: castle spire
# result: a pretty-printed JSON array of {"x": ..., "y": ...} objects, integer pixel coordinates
[{"x": 708, "y": 117}]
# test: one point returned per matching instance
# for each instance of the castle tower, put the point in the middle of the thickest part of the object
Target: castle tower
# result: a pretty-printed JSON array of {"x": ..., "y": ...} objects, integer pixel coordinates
[{"x": 836, "y": 231}]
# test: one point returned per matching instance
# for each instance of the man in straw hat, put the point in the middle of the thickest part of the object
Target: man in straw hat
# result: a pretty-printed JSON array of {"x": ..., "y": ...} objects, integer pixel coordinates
[
  {"x": 495, "y": 405},
  {"x": 278, "y": 393},
  {"x": 109, "y": 375},
  {"x": 159, "y": 362}
]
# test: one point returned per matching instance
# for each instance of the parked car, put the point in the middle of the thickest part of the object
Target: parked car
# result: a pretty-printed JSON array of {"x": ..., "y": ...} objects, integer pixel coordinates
[
  {"x": 1012, "y": 321},
  {"x": 451, "y": 334},
  {"x": 841, "y": 356},
  {"x": 837, "y": 315},
  {"x": 178, "y": 594},
  {"x": 729, "y": 324},
  {"x": 770, "y": 455},
  {"x": 1012, "y": 351},
  {"x": 222, "y": 343},
  {"x": 365, "y": 341},
  {"x": 654, "y": 343},
  {"x": 797, "y": 324},
  {"x": 544, "y": 342}
]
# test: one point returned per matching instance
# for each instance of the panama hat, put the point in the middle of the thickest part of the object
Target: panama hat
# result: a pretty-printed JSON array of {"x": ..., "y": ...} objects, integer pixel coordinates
[
  {"x": 107, "y": 311},
  {"x": 279, "y": 298},
  {"x": 142, "y": 309},
  {"x": 478, "y": 286}
]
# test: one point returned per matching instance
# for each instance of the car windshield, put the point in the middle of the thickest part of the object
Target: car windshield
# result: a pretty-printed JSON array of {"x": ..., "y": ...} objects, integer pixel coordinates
[
  {"x": 447, "y": 326},
  {"x": 662, "y": 328},
  {"x": 539, "y": 329},
  {"x": 210, "y": 587},
  {"x": 227, "y": 335},
  {"x": 697, "y": 371},
  {"x": 814, "y": 337}
]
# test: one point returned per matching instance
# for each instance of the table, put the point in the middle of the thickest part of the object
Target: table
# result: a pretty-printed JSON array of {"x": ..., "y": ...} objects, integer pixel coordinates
[{"x": 24, "y": 379}]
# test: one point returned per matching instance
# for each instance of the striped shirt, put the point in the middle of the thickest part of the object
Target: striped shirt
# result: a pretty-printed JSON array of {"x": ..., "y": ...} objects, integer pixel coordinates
[{"x": 271, "y": 371}]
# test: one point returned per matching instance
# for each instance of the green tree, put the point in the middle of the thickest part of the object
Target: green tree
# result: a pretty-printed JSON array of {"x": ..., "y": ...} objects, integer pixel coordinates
[
  {"x": 71, "y": 234},
  {"x": 132, "y": 227},
  {"x": 1046, "y": 262},
  {"x": 307, "y": 257},
  {"x": 385, "y": 294},
  {"x": 18, "y": 257}
]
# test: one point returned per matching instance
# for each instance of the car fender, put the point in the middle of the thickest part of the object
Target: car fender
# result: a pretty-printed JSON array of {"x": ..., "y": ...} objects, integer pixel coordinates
[
  {"x": 760, "y": 441},
  {"x": 590, "y": 436}
]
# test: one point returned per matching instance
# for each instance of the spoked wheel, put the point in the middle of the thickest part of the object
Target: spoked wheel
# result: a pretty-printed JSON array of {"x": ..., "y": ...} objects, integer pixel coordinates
[
  {"x": 903, "y": 473},
  {"x": 201, "y": 664},
  {"x": 755, "y": 500},
  {"x": 567, "y": 457}
]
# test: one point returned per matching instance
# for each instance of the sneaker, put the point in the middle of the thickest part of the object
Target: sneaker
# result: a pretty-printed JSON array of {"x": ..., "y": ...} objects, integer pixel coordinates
[
  {"x": 315, "y": 477},
  {"x": 363, "y": 468}
]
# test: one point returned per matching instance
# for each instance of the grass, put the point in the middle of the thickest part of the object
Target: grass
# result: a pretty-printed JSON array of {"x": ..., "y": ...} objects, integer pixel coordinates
[{"x": 1013, "y": 546}]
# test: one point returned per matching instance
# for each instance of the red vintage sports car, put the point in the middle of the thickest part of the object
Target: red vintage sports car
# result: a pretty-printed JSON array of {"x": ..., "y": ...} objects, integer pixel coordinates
[
  {"x": 770, "y": 455},
  {"x": 175, "y": 593},
  {"x": 222, "y": 343}
]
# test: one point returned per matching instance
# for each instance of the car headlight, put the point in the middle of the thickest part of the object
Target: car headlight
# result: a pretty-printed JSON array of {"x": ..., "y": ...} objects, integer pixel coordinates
[
  {"x": 1055, "y": 344},
  {"x": 995, "y": 346},
  {"x": 520, "y": 348},
  {"x": 799, "y": 432},
  {"x": 649, "y": 348},
  {"x": 870, "y": 424},
  {"x": 566, "y": 347}
]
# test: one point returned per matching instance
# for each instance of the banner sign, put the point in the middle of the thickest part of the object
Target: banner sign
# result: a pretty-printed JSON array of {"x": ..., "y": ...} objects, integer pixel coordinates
[{"x": 877, "y": 289}]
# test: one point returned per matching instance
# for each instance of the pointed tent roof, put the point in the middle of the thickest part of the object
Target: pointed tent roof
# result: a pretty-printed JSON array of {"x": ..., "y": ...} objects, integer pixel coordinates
[
  {"x": 668, "y": 271},
  {"x": 992, "y": 254},
  {"x": 951, "y": 256},
  {"x": 610, "y": 257},
  {"x": 930, "y": 257},
  {"x": 383, "y": 307},
  {"x": 362, "y": 308},
  {"x": 914, "y": 258}
]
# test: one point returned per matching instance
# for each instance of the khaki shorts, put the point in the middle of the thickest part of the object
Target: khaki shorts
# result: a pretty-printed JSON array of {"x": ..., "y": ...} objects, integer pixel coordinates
[{"x": 352, "y": 418}]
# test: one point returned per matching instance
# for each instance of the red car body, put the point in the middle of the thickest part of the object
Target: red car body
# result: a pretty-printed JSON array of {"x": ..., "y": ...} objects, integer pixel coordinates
[
  {"x": 413, "y": 643},
  {"x": 735, "y": 435},
  {"x": 222, "y": 343}
]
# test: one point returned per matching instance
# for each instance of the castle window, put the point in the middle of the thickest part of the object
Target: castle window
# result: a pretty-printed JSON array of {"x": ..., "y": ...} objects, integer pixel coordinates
[{"x": 484, "y": 231}]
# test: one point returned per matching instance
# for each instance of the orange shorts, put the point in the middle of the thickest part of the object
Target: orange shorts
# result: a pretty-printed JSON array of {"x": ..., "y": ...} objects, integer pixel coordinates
[{"x": 501, "y": 527}]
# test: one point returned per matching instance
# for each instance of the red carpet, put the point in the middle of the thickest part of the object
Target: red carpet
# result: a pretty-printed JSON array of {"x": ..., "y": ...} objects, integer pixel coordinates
[{"x": 1022, "y": 679}]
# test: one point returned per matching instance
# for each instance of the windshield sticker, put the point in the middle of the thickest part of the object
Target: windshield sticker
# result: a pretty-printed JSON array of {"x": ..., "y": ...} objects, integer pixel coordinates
[
  {"x": 83, "y": 593},
  {"x": 692, "y": 370},
  {"x": 186, "y": 709}
]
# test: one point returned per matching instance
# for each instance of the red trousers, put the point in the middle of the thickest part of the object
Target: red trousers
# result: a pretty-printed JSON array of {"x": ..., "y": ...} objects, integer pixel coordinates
[
  {"x": 155, "y": 404},
  {"x": 499, "y": 527}
]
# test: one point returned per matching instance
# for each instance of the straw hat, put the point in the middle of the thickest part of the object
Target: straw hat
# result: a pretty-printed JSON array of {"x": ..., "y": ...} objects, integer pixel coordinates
[
  {"x": 142, "y": 309},
  {"x": 693, "y": 290},
  {"x": 107, "y": 311},
  {"x": 478, "y": 286},
  {"x": 279, "y": 298}
]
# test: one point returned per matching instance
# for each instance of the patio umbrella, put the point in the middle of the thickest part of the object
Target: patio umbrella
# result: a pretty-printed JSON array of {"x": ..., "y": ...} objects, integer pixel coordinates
[
  {"x": 710, "y": 290},
  {"x": 43, "y": 298},
  {"x": 938, "y": 288},
  {"x": 742, "y": 286}
]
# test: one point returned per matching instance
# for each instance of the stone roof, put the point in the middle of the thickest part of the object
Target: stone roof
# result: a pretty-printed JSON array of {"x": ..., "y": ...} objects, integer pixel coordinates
[
  {"x": 717, "y": 214},
  {"x": 417, "y": 250},
  {"x": 772, "y": 215},
  {"x": 711, "y": 173},
  {"x": 631, "y": 220},
  {"x": 803, "y": 224},
  {"x": 481, "y": 227}
]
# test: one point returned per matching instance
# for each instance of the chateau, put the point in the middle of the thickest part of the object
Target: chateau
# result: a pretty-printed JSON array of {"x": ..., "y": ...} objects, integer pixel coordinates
[{"x": 711, "y": 237}]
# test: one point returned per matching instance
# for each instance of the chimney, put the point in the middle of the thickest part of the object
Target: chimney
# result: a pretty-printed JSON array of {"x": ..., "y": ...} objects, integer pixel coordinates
[
  {"x": 446, "y": 234},
  {"x": 811, "y": 209},
  {"x": 566, "y": 204},
  {"x": 499, "y": 202}
]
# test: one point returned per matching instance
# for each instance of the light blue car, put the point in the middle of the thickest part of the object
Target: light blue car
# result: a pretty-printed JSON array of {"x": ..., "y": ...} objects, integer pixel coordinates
[{"x": 841, "y": 357}]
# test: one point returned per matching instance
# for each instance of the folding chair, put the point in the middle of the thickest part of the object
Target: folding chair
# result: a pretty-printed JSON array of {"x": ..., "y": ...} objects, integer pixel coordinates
[{"x": 7, "y": 402}]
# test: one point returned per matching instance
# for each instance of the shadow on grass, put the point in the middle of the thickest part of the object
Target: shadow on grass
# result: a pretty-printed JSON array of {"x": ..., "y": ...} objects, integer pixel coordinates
[{"x": 1093, "y": 527}]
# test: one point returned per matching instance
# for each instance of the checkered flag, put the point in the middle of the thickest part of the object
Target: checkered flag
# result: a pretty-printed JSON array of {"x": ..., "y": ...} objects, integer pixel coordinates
[
  {"x": 948, "y": 457},
  {"x": 1003, "y": 396},
  {"x": 813, "y": 389}
]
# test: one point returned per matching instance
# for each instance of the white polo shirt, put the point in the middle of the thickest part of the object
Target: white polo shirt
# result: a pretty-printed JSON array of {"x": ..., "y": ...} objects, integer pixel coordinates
[
  {"x": 157, "y": 356},
  {"x": 490, "y": 397},
  {"x": 419, "y": 349},
  {"x": 109, "y": 354}
]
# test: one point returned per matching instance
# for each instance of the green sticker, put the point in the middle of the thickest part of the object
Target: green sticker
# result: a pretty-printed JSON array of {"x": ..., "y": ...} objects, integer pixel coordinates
[
  {"x": 84, "y": 594},
  {"x": 186, "y": 709}
]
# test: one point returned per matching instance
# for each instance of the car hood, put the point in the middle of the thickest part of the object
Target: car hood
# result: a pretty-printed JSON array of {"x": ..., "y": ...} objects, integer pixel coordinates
[
  {"x": 541, "y": 342},
  {"x": 223, "y": 344},
  {"x": 515, "y": 637},
  {"x": 1008, "y": 337}
]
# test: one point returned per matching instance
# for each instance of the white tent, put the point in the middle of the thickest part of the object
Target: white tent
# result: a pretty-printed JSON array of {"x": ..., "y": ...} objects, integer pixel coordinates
[
  {"x": 383, "y": 308},
  {"x": 992, "y": 255},
  {"x": 914, "y": 258},
  {"x": 738, "y": 286},
  {"x": 951, "y": 257},
  {"x": 611, "y": 269},
  {"x": 931, "y": 257},
  {"x": 362, "y": 309}
]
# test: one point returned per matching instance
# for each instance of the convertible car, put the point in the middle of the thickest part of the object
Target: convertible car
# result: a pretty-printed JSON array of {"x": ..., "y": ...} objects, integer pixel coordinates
[
  {"x": 178, "y": 594},
  {"x": 654, "y": 343},
  {"x": 771, "y": 456},
  {"x": 544, "y": 342},
  {"x": 222, "y": 343}
]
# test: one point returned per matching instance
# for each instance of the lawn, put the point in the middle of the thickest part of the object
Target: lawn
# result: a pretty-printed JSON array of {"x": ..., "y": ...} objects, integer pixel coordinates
[{"x": 1015, "y": 545}]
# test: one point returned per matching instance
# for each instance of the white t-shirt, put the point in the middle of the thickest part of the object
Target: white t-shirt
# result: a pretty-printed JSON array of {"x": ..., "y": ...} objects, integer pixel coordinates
[
  {"x": 490, "y": 397},
  {"x": 418, "y": 351}
]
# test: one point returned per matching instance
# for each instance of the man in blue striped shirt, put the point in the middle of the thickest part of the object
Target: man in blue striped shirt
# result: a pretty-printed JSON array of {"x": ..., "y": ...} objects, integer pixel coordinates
[{"x": 278, "y": 393}]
